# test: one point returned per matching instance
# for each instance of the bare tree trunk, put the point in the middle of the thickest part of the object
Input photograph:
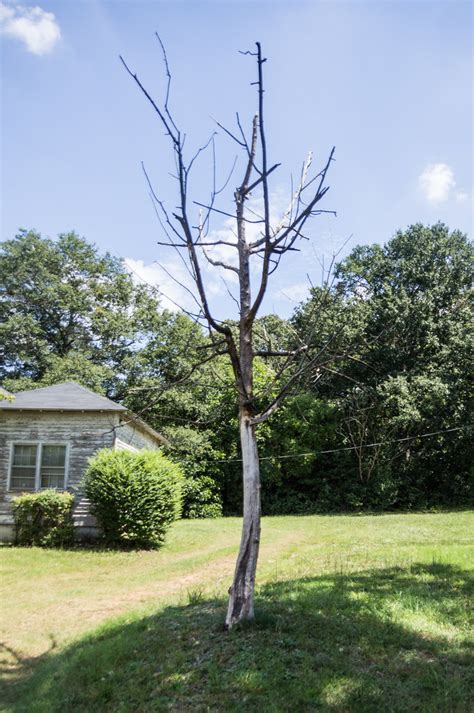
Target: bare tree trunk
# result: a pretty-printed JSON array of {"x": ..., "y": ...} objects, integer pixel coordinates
[{"x": 241, "y": 599}]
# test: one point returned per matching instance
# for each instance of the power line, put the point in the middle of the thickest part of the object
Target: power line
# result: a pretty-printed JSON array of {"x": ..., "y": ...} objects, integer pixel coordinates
[{"x": 347, "y": 448}]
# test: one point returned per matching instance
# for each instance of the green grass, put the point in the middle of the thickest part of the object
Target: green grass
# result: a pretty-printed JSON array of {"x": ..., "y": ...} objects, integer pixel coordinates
[{"x": 354, "y": 614}]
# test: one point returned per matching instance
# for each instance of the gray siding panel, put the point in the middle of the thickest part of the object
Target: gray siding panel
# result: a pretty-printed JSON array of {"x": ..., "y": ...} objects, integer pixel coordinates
[{"x": 133, "y": 435}]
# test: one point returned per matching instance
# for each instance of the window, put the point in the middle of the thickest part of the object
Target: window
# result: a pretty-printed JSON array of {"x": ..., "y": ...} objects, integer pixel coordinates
[
  {"x": 53, "y": 465},
  {"x": 23, "y": 473},
  {"x": 38, "y": 465}
]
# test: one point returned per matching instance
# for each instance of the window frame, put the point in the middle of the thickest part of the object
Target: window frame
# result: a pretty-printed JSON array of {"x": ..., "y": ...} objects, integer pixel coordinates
[{"x": 39, "y": 454}]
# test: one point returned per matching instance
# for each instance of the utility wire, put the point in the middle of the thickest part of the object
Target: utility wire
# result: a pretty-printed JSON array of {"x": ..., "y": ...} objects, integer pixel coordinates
[{"x": 347, "y": 448}]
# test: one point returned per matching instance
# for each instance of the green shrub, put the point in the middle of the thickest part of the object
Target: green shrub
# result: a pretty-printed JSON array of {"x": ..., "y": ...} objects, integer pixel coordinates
[
  {"x": 201, "y": 498},
  {"x": 43, "y": 519},
  {"x": 135, "y": 496}
]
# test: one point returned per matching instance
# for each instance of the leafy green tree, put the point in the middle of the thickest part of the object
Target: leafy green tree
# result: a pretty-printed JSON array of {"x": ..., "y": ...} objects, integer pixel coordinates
[
  {"x": 419, "y": 289},
  {"x": 66, "y": 311},
  {"x": 296, "y": 476},
  {"x": 411, "y": 333}
]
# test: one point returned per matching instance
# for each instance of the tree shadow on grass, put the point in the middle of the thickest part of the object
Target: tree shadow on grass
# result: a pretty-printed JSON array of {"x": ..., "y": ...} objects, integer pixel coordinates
[{"x": 381, "y": 640}]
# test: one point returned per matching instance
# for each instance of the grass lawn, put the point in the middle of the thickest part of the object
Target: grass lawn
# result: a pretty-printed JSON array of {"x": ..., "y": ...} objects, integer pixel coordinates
[{"x": 354, "y": 614}]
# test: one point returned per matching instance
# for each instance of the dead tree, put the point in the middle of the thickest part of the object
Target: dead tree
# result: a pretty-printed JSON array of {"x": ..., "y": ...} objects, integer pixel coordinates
[{"x": 194, "y": 241}]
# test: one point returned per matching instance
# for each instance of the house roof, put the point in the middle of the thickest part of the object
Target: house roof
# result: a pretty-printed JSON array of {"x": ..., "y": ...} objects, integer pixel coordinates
[
  {"x": 60, "y": 397},
  {"x": 72, "y": 397}
]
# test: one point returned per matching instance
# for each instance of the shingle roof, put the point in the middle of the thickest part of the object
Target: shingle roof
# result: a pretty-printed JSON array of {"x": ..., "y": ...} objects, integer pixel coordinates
[{"x": 60, "y": 397}]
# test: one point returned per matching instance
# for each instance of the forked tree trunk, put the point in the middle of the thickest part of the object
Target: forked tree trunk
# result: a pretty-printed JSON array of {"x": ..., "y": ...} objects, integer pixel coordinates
[{"x": 241, "y": 599}]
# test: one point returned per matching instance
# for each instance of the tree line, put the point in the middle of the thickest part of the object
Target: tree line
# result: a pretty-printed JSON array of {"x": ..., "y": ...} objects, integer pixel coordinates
[{"x": 383, "y": 422}]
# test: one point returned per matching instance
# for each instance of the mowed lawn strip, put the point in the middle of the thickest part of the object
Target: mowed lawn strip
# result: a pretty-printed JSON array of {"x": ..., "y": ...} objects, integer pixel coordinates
[{"x": 354, "y": 613}]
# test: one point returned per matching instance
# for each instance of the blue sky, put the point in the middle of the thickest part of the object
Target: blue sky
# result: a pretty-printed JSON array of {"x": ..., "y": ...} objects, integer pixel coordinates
[{"x": 388, "y": 83}]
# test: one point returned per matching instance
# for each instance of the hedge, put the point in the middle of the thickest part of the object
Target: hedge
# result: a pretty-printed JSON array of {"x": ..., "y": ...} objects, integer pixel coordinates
[
  {"x": 134, "y": 496},
  {"x": 43, "y": 519}
]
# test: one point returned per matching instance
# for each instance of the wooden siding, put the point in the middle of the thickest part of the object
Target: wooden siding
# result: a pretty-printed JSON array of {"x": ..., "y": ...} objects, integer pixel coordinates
[
  {"x": 133, "y": 435},
  {"x": 85, "y": 433}
]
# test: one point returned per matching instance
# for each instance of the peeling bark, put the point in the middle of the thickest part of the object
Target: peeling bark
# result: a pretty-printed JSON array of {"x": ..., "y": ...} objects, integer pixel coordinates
[{"x": 241, "y": 593}]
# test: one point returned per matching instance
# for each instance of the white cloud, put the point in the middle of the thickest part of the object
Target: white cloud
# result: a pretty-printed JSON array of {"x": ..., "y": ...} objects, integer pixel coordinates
[
  {"x": 297, "y": 292},
  {"x": 436, "y": 182},
  {"x": 462, "y": 197},
  {"x": 35, "y": 27},
  {"x": 173, "y": 296},
  {"x": 253, "y": 227},
  {"x": 223, "y": 253},
  {"x": 217, "y": 280}
]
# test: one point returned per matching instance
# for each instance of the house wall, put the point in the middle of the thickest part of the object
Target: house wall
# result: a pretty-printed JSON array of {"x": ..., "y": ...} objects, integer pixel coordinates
[
  {"x": 84, "y": 432},
  {"x": 131, "y": 434}
]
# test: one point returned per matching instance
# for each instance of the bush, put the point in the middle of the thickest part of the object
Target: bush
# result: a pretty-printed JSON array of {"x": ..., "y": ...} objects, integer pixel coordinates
[
  {"x": 201, "y": 498},
  {"x": 135, "y": 496},
  {"x": 43, "y": 519}
]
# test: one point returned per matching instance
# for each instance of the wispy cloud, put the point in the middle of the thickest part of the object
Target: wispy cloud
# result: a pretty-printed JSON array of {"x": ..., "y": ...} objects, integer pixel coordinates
[
  {"x": 462, "y": 197},
  {"x": 297, "y": 292},
  {"x": 36, "y": 28},
  {"x": 436, "y": 182},
  {"x": 173, "y": 295},
  {"x": 220, "y": 284}
]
